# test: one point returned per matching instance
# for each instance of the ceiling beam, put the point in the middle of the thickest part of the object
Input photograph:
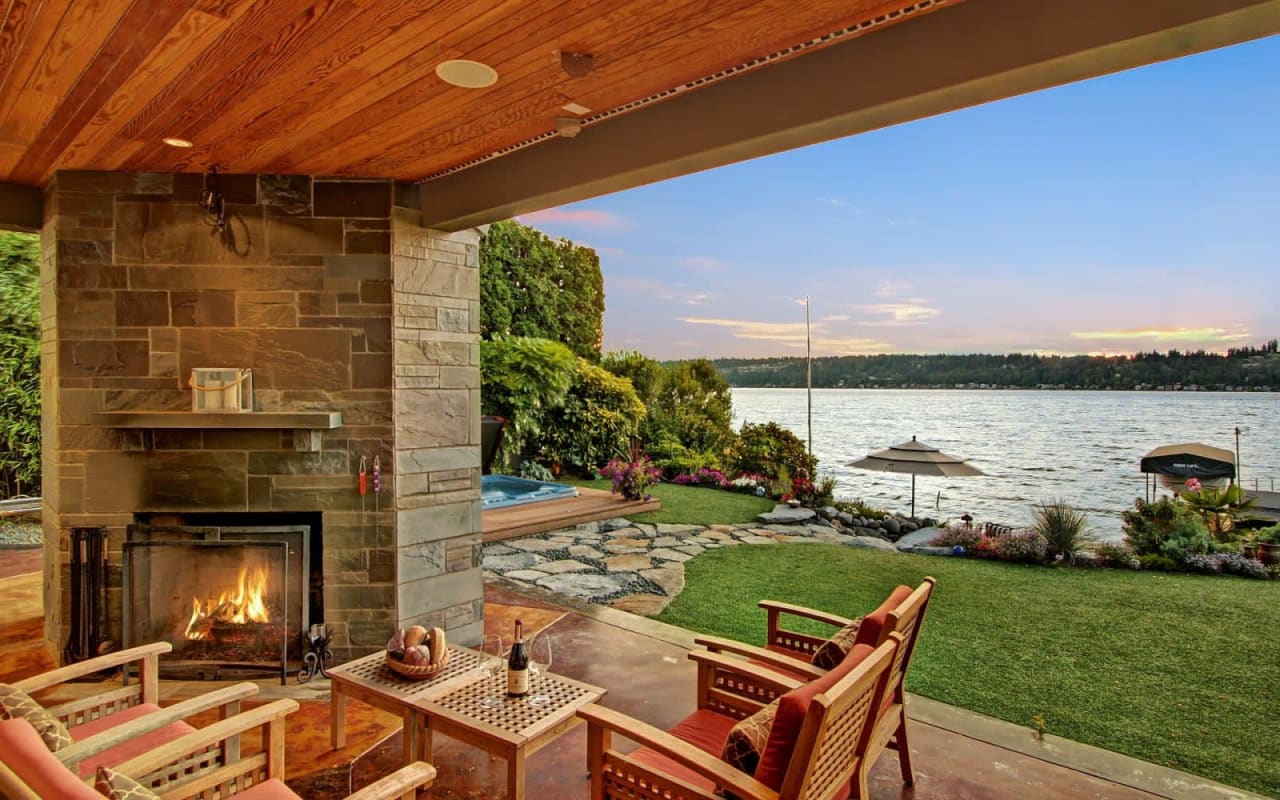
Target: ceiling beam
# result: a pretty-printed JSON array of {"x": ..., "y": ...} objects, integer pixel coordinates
[
  {"x": 974, "y": 52},
  {"x": 21, "y": 207}
]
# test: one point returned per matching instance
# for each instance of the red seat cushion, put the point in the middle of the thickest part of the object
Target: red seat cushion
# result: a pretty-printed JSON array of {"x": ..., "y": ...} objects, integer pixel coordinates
[
  {"x": 872, "y": 624},
  {"x": 705, "y": 730},
  {"x": 24, "y": 752},
  {"x": 792, "y": 708},
  {"x": 125, "y": 750}
]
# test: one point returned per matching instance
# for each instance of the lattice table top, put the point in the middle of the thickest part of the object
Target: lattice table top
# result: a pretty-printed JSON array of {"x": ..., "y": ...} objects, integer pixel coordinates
[
  {"x": 514, "y": 716},
  {"x": 371, "y": 672}
]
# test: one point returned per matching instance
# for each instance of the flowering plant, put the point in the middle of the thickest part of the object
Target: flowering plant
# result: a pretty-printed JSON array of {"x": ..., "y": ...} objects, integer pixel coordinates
[
  {"x": 1193, "y": 484},
  {"x": 632, "y": 478},
  {"x": 703, "y": 477},
  {"x": 750, "y": 482}
]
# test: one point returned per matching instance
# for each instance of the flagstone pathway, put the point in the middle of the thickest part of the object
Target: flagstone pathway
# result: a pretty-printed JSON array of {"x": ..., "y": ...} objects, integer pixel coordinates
[{"x": 640, "y": 567}]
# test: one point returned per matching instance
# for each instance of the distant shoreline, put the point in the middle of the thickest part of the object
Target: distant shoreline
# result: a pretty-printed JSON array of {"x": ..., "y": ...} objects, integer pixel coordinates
[{"x": 1227, "y": 390}]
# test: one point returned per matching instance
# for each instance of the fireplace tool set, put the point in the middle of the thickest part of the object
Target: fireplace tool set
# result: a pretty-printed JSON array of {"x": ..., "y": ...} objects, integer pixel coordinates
[{"x": 318, "y": 655}]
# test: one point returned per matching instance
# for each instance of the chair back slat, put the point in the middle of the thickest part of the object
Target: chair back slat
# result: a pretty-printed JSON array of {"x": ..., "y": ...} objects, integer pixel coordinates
[
  {"x": 837, "y": 728},
  {"x": 906, "y": 621}
]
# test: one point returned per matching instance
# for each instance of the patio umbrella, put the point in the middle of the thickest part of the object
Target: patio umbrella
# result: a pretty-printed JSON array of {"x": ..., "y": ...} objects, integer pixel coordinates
[{"x": 916, "y": 458}]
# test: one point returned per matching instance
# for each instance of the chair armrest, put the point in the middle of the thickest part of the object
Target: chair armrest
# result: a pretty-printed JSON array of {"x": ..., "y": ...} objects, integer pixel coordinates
[
  {"x": 775, "y": 607},
  {"x": 404, "y": 782},
  {"x": 73, "y": 754},
  {"x": 716, "y": 644},
  {"x": 92, "y": 665},
  {"x": 206, "y": 737},
  {"x": 710, "y": 767},
  {"x": 735, "y": 688}
]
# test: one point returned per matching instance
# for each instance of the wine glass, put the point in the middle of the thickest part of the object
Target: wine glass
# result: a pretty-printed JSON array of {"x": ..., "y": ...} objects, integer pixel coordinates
[
  {"x": 492, "y": 654},
  {"x": 539, "y": 666}
]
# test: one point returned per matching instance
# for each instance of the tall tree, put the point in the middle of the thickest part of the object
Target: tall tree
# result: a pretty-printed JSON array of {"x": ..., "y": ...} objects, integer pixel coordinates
[
  {"x": 533, "y": 285},
  {"x": 19, "y": 363}
]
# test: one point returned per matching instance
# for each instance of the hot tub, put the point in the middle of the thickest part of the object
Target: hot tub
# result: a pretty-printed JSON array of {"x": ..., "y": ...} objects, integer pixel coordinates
[{"x": 500, "y": 491}]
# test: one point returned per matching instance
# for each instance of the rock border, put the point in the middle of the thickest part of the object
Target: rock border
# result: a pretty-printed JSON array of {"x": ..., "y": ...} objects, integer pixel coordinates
[{"x": 639, "y": 567}]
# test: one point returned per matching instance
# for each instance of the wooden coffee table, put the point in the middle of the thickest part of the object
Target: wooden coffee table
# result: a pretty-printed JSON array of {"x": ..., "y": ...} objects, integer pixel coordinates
[{"x": 449, "y": 704}]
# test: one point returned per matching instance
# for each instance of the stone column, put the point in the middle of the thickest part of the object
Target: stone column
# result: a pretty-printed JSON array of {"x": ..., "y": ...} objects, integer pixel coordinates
[{"x": 436, "y": 412}]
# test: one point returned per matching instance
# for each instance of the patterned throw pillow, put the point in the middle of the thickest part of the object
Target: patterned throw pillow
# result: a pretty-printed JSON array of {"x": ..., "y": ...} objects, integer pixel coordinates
[
  {"x": 17, "y": 704},
  {"x": 745, "y": 742},
  {"x": 833, "y": 650},
  {"x": 117, "y": 786}
]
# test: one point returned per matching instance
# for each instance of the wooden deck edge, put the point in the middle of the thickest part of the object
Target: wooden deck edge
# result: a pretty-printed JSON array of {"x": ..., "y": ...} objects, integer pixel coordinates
[{"x": 589, "y": 506}]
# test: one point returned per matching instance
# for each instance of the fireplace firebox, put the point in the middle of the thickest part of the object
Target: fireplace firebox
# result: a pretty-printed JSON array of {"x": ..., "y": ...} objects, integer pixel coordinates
[{"x": 227, "y": 597}]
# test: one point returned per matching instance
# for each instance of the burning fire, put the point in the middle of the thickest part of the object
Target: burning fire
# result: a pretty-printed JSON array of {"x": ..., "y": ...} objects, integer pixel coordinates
[{"x": 238, "y": 606}]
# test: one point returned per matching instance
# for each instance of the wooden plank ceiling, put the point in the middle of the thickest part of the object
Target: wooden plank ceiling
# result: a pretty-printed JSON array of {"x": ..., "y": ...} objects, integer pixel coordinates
[{"x": 348, "y": 87}]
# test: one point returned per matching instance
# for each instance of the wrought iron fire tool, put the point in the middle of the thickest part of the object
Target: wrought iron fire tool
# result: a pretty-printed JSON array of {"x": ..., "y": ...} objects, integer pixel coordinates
[{"x": 318, "y": 654}]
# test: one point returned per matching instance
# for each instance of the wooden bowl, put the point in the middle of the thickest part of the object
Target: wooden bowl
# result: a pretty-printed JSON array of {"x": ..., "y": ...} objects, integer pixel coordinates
[{"x": 417, "y": 672}]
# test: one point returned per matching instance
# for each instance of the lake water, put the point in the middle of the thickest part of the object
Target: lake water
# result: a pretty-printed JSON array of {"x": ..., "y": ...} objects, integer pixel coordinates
[{"x": 1082, "y": 447}]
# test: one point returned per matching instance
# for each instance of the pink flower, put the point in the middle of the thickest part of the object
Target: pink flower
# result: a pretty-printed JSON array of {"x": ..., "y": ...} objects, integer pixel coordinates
[{"x": 1193, "y": 484}]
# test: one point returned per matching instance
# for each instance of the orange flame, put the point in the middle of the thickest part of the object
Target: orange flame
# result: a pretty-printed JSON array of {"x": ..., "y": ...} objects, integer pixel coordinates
[{"x": 244, "y": 603}]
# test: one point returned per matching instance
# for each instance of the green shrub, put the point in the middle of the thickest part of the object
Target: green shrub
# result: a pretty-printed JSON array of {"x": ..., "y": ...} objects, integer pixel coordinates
[
  {"x": 1158, "y": 563},
  {"x": 771, "y": 450},
  {"x": 1063, "y": 528},
  {"x": 598, "y": 420},
  {"x": 674, "y": 458},
  {"x": 687, "y": 426},
  {"x": 1111, "y": 554},
  {"x": 1189, "y": 536},
  {"x": 1147, "y": 525},
  {"x": 520, "y": 379},
  {"x": 19, "y": 364}
]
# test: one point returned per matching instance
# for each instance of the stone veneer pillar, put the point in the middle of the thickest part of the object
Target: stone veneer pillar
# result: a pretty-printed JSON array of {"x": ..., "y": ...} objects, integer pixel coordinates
[
  {"x": 136, "y": 289},
  {"x": 436, "y": 415}
]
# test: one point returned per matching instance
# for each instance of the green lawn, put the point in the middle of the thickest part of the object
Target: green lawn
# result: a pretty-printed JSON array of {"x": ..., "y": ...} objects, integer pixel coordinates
[
  {"x": 1180, "y": 670},
  {"x": 696, "y": 505}
]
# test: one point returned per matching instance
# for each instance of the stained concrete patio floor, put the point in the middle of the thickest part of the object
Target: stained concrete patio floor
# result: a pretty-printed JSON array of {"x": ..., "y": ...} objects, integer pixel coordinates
[{"x": 957, "y": 755}]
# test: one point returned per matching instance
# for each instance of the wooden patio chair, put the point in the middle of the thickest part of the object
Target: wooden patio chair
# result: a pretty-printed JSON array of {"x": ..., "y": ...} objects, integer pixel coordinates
[
  {"x": 119, "y": 722},
  {"x": 819, "y": 758},
  {"x": 791, "y": 653},
  {"x": 203, "y": 766}
]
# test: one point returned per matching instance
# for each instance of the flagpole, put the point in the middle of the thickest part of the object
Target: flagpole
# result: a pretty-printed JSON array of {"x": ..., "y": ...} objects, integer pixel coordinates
[{"x": 808, "y": 372}]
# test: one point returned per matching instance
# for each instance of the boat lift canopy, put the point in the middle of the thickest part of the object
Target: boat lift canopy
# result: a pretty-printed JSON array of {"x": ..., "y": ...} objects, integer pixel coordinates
[
  {"x": 1190, "y": 461},
  {"x": 1173, "y": 464}
]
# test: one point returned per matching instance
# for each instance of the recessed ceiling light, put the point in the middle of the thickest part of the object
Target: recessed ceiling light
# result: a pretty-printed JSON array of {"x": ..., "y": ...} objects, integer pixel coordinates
[
  {"x": 174, "y": 141},
  {"x": 467, "y": 74},
  {"x": 574, "y": 108}
]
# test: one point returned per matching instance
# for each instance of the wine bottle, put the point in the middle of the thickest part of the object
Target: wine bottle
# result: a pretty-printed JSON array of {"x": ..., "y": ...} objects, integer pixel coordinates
[{"x": 518, "y": 665}]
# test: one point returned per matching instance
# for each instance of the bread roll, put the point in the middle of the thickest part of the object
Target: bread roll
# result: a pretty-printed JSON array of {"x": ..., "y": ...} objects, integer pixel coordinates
[
  {"x": 436, "y": 642},
  {"x": 415, "y": 636}
]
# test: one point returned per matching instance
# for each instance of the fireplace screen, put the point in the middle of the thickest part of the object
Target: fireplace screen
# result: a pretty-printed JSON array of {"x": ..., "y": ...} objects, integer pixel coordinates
[{"x": 223, "y": 600}]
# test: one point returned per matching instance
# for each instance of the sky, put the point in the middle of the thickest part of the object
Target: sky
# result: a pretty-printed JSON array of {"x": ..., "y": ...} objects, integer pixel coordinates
[{"x": 1134, "y": 212}]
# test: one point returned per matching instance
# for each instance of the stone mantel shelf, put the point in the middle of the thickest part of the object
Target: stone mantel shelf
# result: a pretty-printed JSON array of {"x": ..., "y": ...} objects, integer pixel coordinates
[{"x": 306, "y": 425}]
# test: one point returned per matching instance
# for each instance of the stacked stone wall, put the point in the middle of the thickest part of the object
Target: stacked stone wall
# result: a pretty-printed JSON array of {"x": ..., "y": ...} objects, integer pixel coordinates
[{"x": 139, "y": 287}]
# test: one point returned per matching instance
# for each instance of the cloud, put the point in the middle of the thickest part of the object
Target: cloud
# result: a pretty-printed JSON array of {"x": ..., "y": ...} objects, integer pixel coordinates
[
  {"x": 660, "y": 290},
  {"x": 835, "y": 318},
  {"x": 913, "y": 311},
  {"x": 792, "y": 334},
  {"x": 697, "y": 299},
  {"x": 1166, "y": 334},
  {"x": 582, "y": 217},
  {"x": 833, "y": 201},
  {"x": 893, "y": 288},
  {"x": 704, "y": 264}
]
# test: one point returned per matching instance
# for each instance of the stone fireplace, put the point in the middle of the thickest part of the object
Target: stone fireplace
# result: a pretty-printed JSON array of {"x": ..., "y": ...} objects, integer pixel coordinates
[{"x": 361, "y": 330}]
